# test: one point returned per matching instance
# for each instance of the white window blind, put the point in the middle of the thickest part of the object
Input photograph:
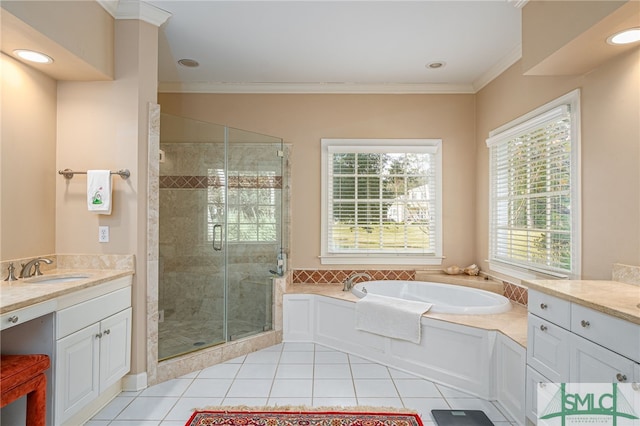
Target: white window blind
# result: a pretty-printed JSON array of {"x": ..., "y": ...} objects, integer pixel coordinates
[
  {"x": 533, "y": 189},
  {"x": 381, "y": 200}
]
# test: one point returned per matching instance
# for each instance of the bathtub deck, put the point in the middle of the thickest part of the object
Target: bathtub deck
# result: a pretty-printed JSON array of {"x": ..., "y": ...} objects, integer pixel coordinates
[{"x": 512, "y": 324}]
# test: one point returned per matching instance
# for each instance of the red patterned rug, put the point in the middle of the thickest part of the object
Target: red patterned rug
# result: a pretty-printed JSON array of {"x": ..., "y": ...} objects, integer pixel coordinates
[{"x": 309, "y": 418}]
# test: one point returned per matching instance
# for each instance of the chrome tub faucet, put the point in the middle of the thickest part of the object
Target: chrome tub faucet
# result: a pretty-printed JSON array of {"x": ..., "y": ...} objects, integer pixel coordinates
[
  {"x": 34, "y": 264},
  {"x": 348, "y": 283}
]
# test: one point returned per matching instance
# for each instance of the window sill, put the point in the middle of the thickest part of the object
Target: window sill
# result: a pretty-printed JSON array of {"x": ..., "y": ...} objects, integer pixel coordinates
[{"x": 375, "y": 259}]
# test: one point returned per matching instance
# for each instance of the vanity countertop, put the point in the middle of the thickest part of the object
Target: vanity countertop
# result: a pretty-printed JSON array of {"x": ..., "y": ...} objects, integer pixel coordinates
[
  {"x": 614, "y": 298},
  {"x": 513, "y": 323},
  {"x": 20, "y": 294}
]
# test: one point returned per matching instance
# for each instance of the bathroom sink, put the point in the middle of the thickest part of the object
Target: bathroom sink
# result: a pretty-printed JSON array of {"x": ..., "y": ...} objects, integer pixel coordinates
[{"x": 57, "y": 278}]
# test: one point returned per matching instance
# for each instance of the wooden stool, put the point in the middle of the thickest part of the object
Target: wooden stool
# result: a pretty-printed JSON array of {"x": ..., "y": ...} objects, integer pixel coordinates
[{"x": 24, "y": 375}]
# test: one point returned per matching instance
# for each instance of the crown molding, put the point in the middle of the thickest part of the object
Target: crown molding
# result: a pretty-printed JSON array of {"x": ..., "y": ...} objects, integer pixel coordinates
[
  {"x": 498, "y": 68},
  {"x": 134, "y": 9},
  {"x": 314, "y": 88}
]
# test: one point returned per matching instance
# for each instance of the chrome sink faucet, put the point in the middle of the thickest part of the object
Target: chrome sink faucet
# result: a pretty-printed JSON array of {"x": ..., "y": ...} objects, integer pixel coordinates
[
  {"x": 34, "y": 264},
  {"x": 348, "y": 283}
]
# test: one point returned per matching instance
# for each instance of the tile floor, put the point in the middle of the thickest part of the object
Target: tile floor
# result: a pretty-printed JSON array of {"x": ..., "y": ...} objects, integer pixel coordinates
[{"x": 288, "y": 374}]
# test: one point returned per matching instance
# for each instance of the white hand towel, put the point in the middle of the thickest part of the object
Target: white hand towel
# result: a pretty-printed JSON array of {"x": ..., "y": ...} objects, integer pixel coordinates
[
  {"x": 390, "y": 316},
  {"x": 99, "y": 191}
]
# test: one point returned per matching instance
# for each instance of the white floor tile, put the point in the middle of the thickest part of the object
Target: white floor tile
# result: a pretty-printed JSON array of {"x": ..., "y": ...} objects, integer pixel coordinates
[
  {"x": 185, "y": 407},
  {"x": 398, "y": 374},
  {"x": 424, "y": 406},
  {"x": 248, "y": 401},
  {"x": 335, "y": 388},
  {"x": 370, "y": 371},
  {"x": 275, "y": 348},
  {"x": 334, "y": 402},
  {"x": 257, "y": 371},
  {"x": 332, "y": 371},
  {"x": 262, "y": 357},
  {"x": 175, "y": 387},
  {"x": 288, "y": 401},
  {"x": 412, "y": 388},
  {"x": 111, "y": 410},
  {"x": 254, "y": 388},
  {"x": 99, "y": 423},
  {"x": 208, "y": 388},
  {"x": 381, "y": 402},
  {"x": 173, "y": 422},
  {"x": 299, "y": 347},
  {"x": 375, "y": 388},
  {"x": 354, "y": 359},
  {"x": 148, "y": 408},
  {"x": 322, "y": 348},
  {"x": 238, "y": 360},
  {"x": 448, "y": 392},
  {"x": 305, "y": 357},
  {"x": 220, "y": 371},
  {"x": 135, "y": 423},
  {"x": 331, "y": 357},
  {"x": 292, "y": 388},
  {"x": 295, "y": 371}
]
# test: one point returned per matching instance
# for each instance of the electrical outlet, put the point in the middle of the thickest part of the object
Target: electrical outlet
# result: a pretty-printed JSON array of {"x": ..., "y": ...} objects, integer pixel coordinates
[{"x": 103, "y": 234}]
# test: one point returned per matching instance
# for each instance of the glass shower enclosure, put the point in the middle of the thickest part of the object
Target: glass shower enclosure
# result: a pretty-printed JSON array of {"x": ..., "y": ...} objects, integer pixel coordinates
[{"x": 221, "y": 233}]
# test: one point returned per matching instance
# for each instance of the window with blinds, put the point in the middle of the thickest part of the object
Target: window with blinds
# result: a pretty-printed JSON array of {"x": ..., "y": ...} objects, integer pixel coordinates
[
  {"x": 534, "y": 206},
  {"x": 381, "y": 200}
]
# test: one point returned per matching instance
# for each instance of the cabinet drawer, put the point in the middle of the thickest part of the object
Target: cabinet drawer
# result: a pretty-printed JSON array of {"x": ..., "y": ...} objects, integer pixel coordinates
[
  {"x": 613, "y": 333},
  {"x": 86, "y": 313},
  {"x": 548, "y": 349},
  {"x": 551, "y": 308},
  {"x": 591, "y": 363},
  {"x": 19, "y": 316}
]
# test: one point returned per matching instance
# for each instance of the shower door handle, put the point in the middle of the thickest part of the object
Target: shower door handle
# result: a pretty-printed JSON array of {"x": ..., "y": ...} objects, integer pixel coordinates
[{"x": 219, "y": 246}]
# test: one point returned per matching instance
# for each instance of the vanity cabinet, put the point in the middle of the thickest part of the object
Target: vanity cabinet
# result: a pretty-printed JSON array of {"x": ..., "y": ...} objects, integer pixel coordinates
[
  {"x": 93, "y": 350},
  {"x": 570, "y": 343}
]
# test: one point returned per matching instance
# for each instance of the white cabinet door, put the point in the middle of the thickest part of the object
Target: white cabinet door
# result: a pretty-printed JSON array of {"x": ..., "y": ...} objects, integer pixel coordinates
[
  {"x": 591, "y": 363},
  {"x": 115, "y": 348},
  {"x": 77, "y": 371},
  {"x": 548, "y": 349},
  {"x": 511, "y": 359}
]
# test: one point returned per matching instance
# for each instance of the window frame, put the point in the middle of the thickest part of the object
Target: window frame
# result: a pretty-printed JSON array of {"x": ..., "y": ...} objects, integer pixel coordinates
[
  {"x": 510, "y": 131},
  {"x": 381, "y": 145}
]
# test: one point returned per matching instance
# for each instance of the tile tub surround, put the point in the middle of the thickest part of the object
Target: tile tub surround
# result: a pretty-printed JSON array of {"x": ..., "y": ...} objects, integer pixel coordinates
[
  {"x": 515, "y": 293},
  {"x": 614, "y": 298}
]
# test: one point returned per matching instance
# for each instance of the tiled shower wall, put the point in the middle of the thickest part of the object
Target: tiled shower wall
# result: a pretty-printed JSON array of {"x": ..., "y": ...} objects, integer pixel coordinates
[{"x": 191, "y": 279}]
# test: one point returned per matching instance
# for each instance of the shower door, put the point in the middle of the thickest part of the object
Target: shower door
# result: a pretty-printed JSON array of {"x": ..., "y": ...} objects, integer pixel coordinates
[{"x": 220, "y": 226}]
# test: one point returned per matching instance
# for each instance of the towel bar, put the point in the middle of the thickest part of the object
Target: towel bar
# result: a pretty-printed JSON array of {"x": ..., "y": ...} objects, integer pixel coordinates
[{"x": 68, "y": 173}]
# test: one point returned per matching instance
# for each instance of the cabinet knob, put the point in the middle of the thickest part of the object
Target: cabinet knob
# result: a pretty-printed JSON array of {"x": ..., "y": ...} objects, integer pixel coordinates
[
  {"x": 543, "y": 327},
  {"x": 107, "y": 331},
  {"x": 99, "y": 336},
  {"x": 585, "y": 323},
  {"x": 543, "y": 306},
  {"x": 621, "y": 377},
  {"x": 13, "y": 319}
]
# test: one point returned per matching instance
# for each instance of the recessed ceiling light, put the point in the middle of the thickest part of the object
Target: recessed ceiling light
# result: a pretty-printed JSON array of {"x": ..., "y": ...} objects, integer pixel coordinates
[
  {"x": 189, "y": 63},
  {"x": 625, "y": 37},
  {"x": 435, "y": 65},
  {"x": 33, "y": 56}
]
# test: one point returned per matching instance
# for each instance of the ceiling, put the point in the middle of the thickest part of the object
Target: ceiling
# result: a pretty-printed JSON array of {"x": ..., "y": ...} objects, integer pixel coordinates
[{"x": 336, "y": 46}]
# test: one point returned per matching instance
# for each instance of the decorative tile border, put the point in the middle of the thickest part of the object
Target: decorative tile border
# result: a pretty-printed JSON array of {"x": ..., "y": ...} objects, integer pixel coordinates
[
  {"x": 247, "y": 182},
  {"x": 626, "y": 273},
  {"x": 319, "y": 276},
  {"x": 515, "y": 293}
]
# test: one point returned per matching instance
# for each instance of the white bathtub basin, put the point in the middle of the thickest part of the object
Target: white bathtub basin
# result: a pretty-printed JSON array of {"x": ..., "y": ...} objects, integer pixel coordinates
[
  {"x": 446, "y": 298},
  {"x": 57, "y": 278}
]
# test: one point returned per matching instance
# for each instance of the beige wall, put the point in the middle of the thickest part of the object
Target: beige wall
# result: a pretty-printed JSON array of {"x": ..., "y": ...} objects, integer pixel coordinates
[
  {"x": 103, "y": 125},
  {"x": 610, "y": 107},
  {"x": 27, "y": 161},
  {"x": 302, "y": 120}
]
